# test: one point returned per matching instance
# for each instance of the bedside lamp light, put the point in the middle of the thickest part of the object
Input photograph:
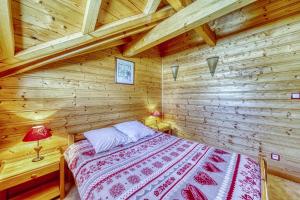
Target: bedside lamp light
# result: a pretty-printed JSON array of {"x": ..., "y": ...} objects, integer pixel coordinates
[
  {"x": 37, "y": 133},
  {"x": 156, "y": 114}
]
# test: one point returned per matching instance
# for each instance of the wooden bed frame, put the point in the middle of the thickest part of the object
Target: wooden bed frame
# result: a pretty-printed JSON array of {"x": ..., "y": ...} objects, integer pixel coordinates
[
  {"x": 263, "y": 176},
  {"x": 72, "y": 138}
]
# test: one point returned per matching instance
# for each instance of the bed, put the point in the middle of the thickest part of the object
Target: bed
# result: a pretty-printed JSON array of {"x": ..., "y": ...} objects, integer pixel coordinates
[{"x": 163, "y": 166}]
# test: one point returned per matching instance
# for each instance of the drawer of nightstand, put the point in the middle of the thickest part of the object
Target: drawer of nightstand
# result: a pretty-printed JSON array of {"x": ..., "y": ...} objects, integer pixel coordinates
[{"x": 27, "y": 176}]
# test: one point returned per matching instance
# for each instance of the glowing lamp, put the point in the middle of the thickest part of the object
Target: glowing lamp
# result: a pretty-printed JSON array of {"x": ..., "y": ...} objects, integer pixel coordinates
[
  {"x": 37, "y": 133},
  {"x": 156, "y": 114}
]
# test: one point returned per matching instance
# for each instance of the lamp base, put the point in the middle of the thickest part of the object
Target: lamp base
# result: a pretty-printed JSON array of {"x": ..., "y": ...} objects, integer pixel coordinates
[
  {"x": 37, "y": 159},
  {"x": 38, "y": 149}
]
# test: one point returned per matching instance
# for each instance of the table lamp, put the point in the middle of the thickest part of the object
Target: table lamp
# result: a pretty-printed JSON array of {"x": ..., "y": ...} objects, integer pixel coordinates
[
  {"x": 37, "y": 133},
  {"x": 156, "y": 114}
]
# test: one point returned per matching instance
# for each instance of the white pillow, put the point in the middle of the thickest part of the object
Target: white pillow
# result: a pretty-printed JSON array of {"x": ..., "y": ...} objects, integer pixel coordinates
[
  {"x": 106, "y": 138},
  {"x": 135, "y": 130}
]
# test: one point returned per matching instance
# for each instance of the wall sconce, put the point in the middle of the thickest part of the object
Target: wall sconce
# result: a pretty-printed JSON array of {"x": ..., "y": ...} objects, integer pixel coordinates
[
  {"x": 175, "y": 71},
  {"x": 212, "y": 64}
]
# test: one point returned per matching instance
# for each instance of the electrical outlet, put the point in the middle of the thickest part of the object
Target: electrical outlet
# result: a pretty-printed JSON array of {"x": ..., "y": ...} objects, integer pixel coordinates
[
  {"x": 275, "y": 156},
  {"x": 295, "y": 96}
]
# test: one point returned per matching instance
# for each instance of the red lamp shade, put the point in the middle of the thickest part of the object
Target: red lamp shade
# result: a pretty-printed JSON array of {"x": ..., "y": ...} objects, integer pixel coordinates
[
  {"x": 37, "y": 133},
  {"x": 156, "y": 114}
]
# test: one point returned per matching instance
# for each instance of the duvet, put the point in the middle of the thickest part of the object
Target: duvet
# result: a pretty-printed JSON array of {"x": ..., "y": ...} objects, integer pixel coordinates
[{"x": 163, "y": 167}]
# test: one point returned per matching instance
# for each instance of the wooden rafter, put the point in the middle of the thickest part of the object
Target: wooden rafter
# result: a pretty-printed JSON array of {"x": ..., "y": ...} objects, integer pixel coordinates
[
  {"x": 176, "y": 4},
  {"x": 204, "y": 30},
  {"x": 62, "y": 56},
  {"x": 7, "y": 42},
  {"x": 105, "y": 31},
  {"x": 183, "y": 21},
  {"x": 151, "y": 6},
  {"x": 186, "y": 2},
  {"x": 207, "y": 34},
  {"x": 91, "y": 13},
  {"x": 80, "y": 43}
]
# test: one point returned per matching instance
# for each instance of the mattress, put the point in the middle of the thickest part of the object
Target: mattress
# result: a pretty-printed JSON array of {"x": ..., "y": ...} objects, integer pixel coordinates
[{"x": 163, "y": 166}]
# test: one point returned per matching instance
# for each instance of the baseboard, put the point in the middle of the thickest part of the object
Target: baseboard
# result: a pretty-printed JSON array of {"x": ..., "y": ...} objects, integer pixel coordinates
[{"x": 284, "y": 175}]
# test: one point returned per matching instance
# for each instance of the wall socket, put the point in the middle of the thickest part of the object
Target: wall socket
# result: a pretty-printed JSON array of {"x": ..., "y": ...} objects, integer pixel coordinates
[
  {"x": 295, "y": 95},
  {"x": 275, "y": 156}
]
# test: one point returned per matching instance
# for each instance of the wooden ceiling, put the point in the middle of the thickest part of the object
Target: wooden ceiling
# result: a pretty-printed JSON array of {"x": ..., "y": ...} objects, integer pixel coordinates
[
  {"x": 253, "y": 15},
  {"x": 37, "y": 32},
  {"x": 39, "y": 21}
]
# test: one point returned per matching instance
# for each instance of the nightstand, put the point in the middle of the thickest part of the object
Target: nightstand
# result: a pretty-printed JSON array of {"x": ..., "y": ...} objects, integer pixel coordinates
[
  {"x": 162, "y": 127},
  {"x": 17, "y": 175}
]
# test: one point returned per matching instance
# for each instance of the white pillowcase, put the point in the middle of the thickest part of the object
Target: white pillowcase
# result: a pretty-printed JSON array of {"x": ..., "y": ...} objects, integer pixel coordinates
[
  {"x": 106, "y": 138},
  {"x": 135, "y": 130}
]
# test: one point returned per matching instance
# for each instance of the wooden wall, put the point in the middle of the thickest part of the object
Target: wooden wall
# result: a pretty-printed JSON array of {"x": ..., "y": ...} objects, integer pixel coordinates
[
  {"x": 246, "y": 106},
  {"x": 73, "y": 96}
]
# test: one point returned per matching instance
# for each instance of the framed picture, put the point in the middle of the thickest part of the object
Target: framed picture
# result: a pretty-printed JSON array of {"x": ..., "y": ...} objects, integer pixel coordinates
[{"x": 124, "y": 71}]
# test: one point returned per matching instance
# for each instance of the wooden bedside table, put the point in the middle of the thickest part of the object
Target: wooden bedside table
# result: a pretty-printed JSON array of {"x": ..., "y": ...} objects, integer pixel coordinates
[
  {"x": 162, "y": 127},
  {"x": 13, "y": 174}
]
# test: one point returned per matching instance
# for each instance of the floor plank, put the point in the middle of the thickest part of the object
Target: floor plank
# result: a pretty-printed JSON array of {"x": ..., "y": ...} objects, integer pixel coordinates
[{"x": 282, "y": 189}]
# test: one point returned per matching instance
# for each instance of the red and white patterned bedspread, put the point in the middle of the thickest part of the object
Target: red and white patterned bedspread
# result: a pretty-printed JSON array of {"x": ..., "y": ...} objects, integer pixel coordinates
[{"x": 163, "y": 167}]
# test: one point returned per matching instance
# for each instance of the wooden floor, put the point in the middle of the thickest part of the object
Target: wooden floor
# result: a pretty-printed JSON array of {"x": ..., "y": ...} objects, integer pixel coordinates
[
  {"x": 282, "y": 189},
  {"x": 279, "y": 189}
]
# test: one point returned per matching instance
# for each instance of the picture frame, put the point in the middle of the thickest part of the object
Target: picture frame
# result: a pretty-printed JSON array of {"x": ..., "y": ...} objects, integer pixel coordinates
[{"x": 124, "y": 73}]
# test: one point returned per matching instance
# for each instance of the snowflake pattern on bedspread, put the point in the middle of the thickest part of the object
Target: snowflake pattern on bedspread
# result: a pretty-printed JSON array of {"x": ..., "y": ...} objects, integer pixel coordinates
[{"x": 163, "y": 167}]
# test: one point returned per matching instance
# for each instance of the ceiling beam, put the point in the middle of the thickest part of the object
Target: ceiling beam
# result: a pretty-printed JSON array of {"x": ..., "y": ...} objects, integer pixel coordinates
[
  {"x": 7, "y": 41},
  {"x": 91, "y": 13},
  {"x": 81, "y": 43},
  {"x": 67, "y": 55},
  {"x": 151, "y": 6},
  {"x": 186, "y": 2},
  {"x": 176, "y": 4},
  {"x": 183, "y": 21},
  {"x": 106, "y": 43},
  {"x": 107, "y": 30},
  {"x": 207, "y": 34},
  {"x": 204, "y": 30}
]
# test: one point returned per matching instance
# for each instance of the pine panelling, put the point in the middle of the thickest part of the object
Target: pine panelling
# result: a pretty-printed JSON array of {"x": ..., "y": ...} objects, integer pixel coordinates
[
  {"x": 190, "y": 19},
  {"x": 255, "y": 14},
  {"x": 76, "y": 5},
  {"x": 1, "y": 56},
  {"x": 251, "y": 16},
  {"x": 7, "y": 42},
  {"x": 246, "y": 106},
  {"x": 41, "y": 21},
  {"x": 113, "y": 10},
  {"x": 26, "y": 36},
  {"x": 73, "y": 96}
]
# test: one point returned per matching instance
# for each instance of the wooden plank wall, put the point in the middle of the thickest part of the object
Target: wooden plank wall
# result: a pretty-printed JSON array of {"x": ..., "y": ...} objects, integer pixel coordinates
[
  {"x": 73, "y": 96},
  {"x": 246, "y": 106}
]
